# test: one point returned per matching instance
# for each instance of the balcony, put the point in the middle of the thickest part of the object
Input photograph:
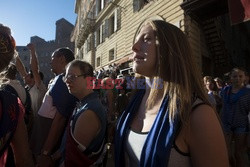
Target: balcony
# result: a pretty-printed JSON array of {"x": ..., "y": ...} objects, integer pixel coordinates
[
  {"x": 85, "y": 29},
  {"x": 204, "y": 9}
]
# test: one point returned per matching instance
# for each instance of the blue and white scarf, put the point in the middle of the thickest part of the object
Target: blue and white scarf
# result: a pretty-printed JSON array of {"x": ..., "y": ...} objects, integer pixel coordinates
[{"x": 158, "y": 144}]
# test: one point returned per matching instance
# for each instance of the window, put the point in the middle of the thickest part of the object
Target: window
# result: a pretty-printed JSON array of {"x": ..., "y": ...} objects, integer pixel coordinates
[
  {"x": 139, "y": 4},
  {"x": 108, "y": 27},
  {"x": 112, "y": 24},
  {"x": 98, "y": 7},
  {"x": 98, "y": 61},
  {"x": 88, "y": 44},
  {"x": 111, "y": 54},
  {"x": 100, "y": 4},
  {"x": 98, "y": 38}
]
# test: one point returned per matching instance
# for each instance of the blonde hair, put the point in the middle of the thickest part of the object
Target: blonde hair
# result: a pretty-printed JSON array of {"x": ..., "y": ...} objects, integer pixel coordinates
[{"x": 175, "y": 66}]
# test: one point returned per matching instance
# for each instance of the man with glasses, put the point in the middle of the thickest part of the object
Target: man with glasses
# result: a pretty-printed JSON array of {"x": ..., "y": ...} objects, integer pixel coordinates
[
  {"x": 57, "y": 106},
  {"x": 85, "y": 134}
]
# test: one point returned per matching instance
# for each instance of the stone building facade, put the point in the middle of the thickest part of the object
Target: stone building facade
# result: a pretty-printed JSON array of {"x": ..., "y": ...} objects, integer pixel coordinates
[
  {"x": 105, "y": 29},
  {"x": 45, "y": 49}
]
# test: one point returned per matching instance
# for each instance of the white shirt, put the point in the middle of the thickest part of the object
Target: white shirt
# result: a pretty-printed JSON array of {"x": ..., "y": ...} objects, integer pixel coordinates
[
  {"x": 19, "y": 89},
  {"x": 37, "y": 94},
  {"x": 47, "y": 109}
]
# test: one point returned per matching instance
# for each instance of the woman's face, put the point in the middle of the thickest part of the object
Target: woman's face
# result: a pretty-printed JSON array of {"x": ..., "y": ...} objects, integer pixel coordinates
[
  {"x": 237, "y": 78},
  {"x": 210, "y": 86},
  {"x": 144, "y": 52}
]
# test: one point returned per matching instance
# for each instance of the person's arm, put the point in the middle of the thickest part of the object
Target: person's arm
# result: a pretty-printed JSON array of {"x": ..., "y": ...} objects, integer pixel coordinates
[
  {"x": 19, "y": 143},
  {"x": 58, "y": 125},
  {"x": 87, "y": 127},
  {"x": 206, "y": 139},
  {"x": 34, "y": 64},
  {"x": 55, "y": 132},
  {"x": 20, "y": 67}
]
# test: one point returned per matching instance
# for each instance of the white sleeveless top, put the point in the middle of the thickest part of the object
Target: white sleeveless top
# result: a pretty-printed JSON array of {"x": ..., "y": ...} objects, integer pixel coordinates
[
  {"x": 133, "y": 147},
  {"x": 134, "y": 142}
]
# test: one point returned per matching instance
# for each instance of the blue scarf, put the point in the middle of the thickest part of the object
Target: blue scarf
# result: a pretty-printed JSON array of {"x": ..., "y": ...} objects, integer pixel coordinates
[{"x": 158, "y": 144}]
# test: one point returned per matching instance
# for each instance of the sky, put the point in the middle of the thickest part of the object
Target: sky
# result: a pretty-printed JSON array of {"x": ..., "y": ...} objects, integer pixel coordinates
[{"x": 28, "y": 18}]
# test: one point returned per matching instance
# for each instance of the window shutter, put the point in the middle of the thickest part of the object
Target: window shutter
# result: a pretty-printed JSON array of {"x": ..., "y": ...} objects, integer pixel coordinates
[
  {"x": 107, "y": 28},
  {"x": 119, "y": 20},
  {"x": 98, "y": 36},
  {"x": 86, "y": 46},
  {"x": 136, "y": 5},
  {"x": 102, "y": 4},
  {"x": 97, "y": 7},
  {"x": 101, "y": 33},
  {"x": 115, "y": 20},
  {"x": 95, "y": 39}
]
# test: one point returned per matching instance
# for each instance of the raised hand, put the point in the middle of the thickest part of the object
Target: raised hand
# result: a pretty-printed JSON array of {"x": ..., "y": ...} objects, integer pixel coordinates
[{"x": 31, "y": 47}]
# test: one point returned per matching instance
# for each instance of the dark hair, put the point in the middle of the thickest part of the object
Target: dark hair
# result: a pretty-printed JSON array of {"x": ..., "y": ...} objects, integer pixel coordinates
[
  {"x": 66, "y": 52},
  {"x": 7, "y": 49},
  {"x": 11, "y": 71},
  {"x": 238, "y": 69},
  {"x": 84, "y": 67},
  {"x": 5, "y": 29}
]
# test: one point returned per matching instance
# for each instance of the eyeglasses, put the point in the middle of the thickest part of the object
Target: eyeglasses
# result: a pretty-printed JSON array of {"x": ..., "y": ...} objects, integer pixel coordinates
[{"x": 71, "y": 78}]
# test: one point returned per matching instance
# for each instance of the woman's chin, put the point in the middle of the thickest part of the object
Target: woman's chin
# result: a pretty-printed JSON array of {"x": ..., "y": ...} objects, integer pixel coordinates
[{"x": 137, "y": 69}]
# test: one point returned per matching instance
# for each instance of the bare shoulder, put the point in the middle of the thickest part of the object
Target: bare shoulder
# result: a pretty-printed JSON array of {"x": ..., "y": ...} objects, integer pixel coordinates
[
  {"x": 203, "y": 115},
  {"x": 87, "y": 127},
  {"x": 88, "y": 121},
  {"x": 88, "y": 116},
  {"x": 206, "y": 138},
  {"x": 204, "y": 124}
]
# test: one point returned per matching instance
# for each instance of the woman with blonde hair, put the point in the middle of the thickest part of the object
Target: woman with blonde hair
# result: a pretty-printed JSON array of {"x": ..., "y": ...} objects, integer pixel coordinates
[{"x": 169, "y": 121}]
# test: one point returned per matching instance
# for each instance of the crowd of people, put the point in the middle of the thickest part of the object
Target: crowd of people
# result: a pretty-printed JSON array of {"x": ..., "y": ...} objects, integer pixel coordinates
[
  {"x": 231, "y": 100},
  {"x": 164, "y": 115}
]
